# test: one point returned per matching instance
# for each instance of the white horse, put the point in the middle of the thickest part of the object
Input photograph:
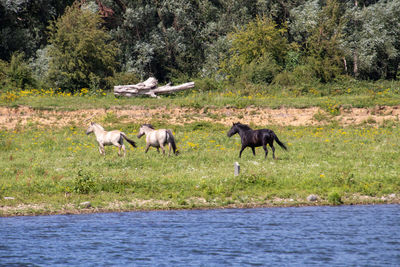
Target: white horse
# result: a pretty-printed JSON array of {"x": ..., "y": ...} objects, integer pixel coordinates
[
  {"x": 157, "y": 138},
  {"x": 103, "y": 137}
]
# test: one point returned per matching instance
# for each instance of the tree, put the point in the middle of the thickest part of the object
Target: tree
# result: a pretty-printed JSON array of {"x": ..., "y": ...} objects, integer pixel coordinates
[
  {"x": 322, "y": 47},
  {"x": 258, "y": 49},
  {"x": 371, "y": 39},
  {"x": 23, "y": 25},
  {"x": 161, "y": 38},
  {"x": 303, "y": 20},
  {"x": 81, "y": 51}
]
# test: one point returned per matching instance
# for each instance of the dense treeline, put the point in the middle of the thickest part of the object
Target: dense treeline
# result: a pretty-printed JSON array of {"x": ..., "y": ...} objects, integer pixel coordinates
[{"x": 98, "y": 43}]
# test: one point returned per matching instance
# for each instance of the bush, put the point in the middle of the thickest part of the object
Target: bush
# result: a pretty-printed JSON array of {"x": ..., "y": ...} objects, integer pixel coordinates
[
  {"x": 261, "y": 71},
  {"x": 334, "y": 198},
  {"x": 84, "y": 183},
  {"x": 207, "y": 84},
  {"x": 257, "y": 51},
  {"x": 301, "y": 75},
  {"x": 16, "y": 73},
  {"x": 82, "y": 52},
  {"x": 122, "y": 78}
]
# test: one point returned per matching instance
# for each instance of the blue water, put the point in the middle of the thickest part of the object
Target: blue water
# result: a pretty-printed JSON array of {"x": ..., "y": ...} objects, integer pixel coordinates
[{"x": 306, "y": 236}]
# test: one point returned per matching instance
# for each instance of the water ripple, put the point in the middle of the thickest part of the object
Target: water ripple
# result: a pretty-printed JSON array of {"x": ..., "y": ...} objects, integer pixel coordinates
[{"x": 307, "y": 236}]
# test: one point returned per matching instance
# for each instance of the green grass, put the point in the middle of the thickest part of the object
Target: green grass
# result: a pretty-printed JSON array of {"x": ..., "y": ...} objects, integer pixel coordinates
[
  {"x": 200, "y": 100},
  {"x": 328, "y": 96},
  {"x": 53, "y": 170},
  {"x": 57, "y": 169}
]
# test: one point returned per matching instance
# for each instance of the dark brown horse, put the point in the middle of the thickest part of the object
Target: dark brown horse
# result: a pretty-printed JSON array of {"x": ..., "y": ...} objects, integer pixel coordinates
[{"x": 255, "y": 138}]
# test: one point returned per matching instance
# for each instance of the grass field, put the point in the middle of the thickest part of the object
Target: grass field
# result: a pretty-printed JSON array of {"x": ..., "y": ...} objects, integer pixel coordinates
[
  {"x": 49, "y": 170},
  {"x": 329, "y": 97},
  {"x": 45, "y": 171}
]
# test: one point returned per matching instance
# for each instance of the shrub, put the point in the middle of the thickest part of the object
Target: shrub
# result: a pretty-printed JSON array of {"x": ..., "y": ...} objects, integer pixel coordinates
[
  {"x": 207, "y": 84},
  {"x": 16, "y": 73},
  {"x": 122, "y": 78},
  {"x": 301, "y": 75},
  {"x": 84, "y": 183},
  {"x": 334, "y": 198},
  {"x": 261, "y": 71},
  {"x": 262, "y": 45},
  {"x": 82, "y": 53}
]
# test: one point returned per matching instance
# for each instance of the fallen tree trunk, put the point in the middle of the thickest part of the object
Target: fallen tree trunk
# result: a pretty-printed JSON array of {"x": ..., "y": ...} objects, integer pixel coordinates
[{"x": 149, "y": 87}]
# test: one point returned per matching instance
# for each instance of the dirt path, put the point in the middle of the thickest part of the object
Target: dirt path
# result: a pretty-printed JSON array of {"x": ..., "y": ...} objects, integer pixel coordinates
[{"x": 11, "y": 118}]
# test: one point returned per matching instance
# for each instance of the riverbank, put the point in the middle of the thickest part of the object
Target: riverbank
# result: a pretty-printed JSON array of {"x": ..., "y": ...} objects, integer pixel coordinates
[
  {"x": 85, "y": 208},
  {"x": 49, "y": 166}
]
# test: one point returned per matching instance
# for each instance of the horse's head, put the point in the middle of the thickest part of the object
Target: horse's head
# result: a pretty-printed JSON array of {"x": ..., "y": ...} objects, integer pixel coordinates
[
  {"x": 141, "y": 132},
  {"x": 234, "y": 130},
  {"x": 90, "y": 129},
  {"x": 143, "y": 129},
  {"x": 93, "y": 127}
]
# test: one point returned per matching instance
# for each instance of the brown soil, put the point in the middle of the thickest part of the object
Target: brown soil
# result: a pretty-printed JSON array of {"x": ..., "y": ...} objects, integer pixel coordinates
[{"x": 11, "y": 118}]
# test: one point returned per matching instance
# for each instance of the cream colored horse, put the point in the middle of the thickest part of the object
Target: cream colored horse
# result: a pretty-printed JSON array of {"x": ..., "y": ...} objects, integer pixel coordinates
[
  {"x": 157, "y": 138},
  {"x": 104, "y": 138}
]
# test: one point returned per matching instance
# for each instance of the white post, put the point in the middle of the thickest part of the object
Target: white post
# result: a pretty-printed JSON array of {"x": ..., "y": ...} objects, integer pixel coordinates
[{"x": 237, "y": 168}]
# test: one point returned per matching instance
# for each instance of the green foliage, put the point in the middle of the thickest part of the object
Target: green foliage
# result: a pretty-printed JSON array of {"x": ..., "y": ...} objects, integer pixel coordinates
[
  {"x": 161, "y": 38},
  {"x": 23, "y": 25},
  {"x": 323, "y": 53},
  {"x": 3, "y": 73},
  {"x": 16, "y": 74},
  {"x": 334, "y": 198},
  {"x": 121, "y": 78},
  {"x": 303, "y": 20},
  {"x": 261, "y": 71},
  {"x": 257, "y": 49},
  {"x": 301, "y": 76},
  {"x": 40, "y": 66},
  {"x": 208, "y": 84},
  {"x": 84, "y": 183},
  {"x": 82, "y": 52},
  {"x": 19, "y": 72},
  {"x": 371, "y": 40},
  {"x": 180, "y": 40}
]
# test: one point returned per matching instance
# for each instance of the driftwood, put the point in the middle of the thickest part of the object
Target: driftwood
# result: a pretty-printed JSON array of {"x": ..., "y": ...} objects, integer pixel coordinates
[{"x": 149, "y": 87}]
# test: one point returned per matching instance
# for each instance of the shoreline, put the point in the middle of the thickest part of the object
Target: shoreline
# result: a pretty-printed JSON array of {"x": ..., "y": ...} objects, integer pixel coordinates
[{"x": 27, "y": 210}]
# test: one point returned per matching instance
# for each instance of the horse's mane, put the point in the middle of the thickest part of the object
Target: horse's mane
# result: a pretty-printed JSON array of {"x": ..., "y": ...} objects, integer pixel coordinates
[
  {"x": 148, "y": 125},
  {"x": 242, "y": 126},
  {"x": 98, "y": 126}
]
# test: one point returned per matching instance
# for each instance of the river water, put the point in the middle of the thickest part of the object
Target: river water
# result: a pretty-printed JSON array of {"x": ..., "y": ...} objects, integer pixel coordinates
[{"x": 304, "y": 236}]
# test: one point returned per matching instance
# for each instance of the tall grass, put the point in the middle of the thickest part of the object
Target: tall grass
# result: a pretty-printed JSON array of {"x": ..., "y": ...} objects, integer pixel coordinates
[
  {"x": 60, "y": 168},
  {"x": 347, "y": 93}
]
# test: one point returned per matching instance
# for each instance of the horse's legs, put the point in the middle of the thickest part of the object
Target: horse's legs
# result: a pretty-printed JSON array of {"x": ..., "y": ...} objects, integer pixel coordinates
[
  {"x": 241, "y": 150},
  {"x": 162, "y": 147},
  {"x": 266, "y": 150},
  {"x": 101, "y": 149},
  {"x": 273, "y": 149},
  {"x": 120, "y": 146},
  {"x": 169, "y": 149},
  {"x": 147, "y": 148},
  {"x": 254, "y": 150},
  {"x": 123, "y": 149}
]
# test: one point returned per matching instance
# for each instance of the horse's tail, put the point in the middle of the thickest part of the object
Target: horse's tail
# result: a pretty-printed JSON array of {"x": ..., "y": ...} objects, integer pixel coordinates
[
  {"x": 171, "y": 141},
  {"x": 279, "y": 142},
  {"x": 128, "y": 140}
]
